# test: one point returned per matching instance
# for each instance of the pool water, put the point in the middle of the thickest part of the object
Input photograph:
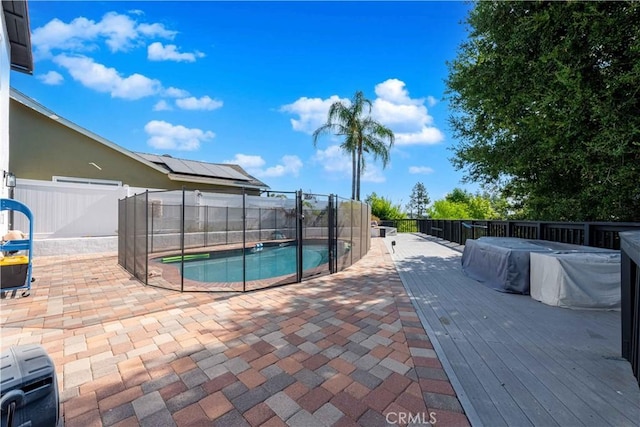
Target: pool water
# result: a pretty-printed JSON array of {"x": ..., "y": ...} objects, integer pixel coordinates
[{"x": 267, "y": 262}]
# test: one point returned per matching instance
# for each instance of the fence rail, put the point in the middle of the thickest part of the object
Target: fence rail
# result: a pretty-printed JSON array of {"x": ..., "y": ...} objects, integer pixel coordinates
[{"x": 597, "y": 234}]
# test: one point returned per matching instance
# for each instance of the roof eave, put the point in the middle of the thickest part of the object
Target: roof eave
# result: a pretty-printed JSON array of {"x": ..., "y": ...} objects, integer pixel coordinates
[
  {"x": 215, "y": 181},
  {"x": 16, "y": 17}
]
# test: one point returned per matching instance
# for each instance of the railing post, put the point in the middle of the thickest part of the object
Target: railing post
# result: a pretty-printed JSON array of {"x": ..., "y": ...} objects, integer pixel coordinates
[
  {"x": 630, "y": 299},
  {"x": 587, "y": 239}
]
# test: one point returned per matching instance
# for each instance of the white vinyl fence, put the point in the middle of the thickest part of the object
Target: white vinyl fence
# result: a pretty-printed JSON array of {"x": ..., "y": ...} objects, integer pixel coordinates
[{"x": 68, "y": 210}]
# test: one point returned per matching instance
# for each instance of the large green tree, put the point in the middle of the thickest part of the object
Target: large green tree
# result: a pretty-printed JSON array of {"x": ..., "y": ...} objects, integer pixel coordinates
[
  {"x": 383, "y": 208},
  {"x": 461, "y": 204},
  {"x": 546, "y": 102},
  {"x": 361, "y": 133},
  {"x": 418, "y": 200}
]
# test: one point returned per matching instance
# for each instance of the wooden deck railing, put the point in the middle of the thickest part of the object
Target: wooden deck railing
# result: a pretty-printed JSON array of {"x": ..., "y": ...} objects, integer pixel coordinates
[
  {"x": 630, "y": 292},
  {"x": 597, "y": 234}
]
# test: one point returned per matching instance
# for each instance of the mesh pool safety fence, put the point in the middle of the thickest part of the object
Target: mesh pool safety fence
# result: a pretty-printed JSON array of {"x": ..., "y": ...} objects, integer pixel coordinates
[{"x": 251, "y": 238}]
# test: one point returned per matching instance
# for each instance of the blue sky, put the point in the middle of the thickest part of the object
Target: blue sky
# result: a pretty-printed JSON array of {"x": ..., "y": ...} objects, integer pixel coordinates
[{"x": 248, "y": 82}]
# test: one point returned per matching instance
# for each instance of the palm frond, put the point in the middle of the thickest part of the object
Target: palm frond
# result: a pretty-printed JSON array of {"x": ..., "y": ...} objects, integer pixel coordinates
[{"x": 362, "y": 134}]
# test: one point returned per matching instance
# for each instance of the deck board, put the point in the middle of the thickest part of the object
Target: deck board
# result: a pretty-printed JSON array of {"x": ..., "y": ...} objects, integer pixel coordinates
[{"x": 517, "y": 361}]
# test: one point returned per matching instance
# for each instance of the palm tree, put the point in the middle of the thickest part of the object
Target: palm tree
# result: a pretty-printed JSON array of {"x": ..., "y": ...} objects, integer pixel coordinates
[{"x": 362, "y": 134}]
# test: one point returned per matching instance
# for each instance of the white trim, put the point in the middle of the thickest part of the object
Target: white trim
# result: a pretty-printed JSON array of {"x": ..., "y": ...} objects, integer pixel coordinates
[{"x": 86, "y": 181}]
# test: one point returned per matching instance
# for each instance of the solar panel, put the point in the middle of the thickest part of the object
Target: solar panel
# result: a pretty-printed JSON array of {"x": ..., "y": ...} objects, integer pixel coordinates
[
  {"x": 192, "y": 167},
  {"x": 226, "y": 172},
  {"x": 176, "y": 165}
]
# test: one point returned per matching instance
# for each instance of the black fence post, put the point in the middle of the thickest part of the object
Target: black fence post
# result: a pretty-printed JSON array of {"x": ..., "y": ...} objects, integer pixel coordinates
[
  {"x": 146, "y": 238},
  {"x": 244, "y": 240},
  {"x": 333, "y": 242},
  {"x": 135, "y": 234},
  {"x": 182, "y": 224},
  {"x": 299, "y": 234},
  {"x": 206, "y": 226}
]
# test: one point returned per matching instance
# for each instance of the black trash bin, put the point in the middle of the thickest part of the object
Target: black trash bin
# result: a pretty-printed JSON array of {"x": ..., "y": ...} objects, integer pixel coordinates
[{"x": 28, "y": 388}]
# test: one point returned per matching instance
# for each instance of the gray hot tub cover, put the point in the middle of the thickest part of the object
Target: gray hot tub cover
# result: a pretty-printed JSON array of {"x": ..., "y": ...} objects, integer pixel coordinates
[
  {"x": 576, "y": 280},
  {"x": 502, "y": 263}
]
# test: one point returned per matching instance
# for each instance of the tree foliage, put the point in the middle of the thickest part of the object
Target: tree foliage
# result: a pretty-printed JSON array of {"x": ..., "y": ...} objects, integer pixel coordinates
[
  {"x": 362, "y": 134},
  {"x": 418, "y": 200},
  {"x": 383, "y": 208},
  {"x": 546, "y": 98},
  {"x": 461, "y": 204},
  {"x": 446, "y": 209}
]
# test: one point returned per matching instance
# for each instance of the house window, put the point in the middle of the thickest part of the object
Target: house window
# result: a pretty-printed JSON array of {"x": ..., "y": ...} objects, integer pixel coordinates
[{"x": 88, "y": 181}]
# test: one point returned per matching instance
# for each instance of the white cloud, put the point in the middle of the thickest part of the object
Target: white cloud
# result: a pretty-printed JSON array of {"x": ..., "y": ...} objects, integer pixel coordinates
[
  {"x": 156, "y": 30},
  {"x": 58, "y": 35},
  {"x": 312, "y": 112},
  {"x": 372, "y": 174},
  {"x": 162, "y": 105},
  {"x": 334, "y": 160},
  {"x": 290, "y": 165},
  {"x": 338, "y": 164},
  {"x": 174, "y": 92},
  {"x": 163, "y": 135},
  {"x": 119, "y": 32},
  {"x": 51, "y": 78},
  {"x": 158, "y": 52},
  {"x": 193, "y": 103},
  {"x": 431, "y": 101},
  {"x": 247, "y": 161},
  {"x": 423, "y": 170},
  {"x": 393, "y": 90},
  {"x": 427, "y": 135},
  {"x": 407, "y": 117},
  {"x": 103, "y": 79}
]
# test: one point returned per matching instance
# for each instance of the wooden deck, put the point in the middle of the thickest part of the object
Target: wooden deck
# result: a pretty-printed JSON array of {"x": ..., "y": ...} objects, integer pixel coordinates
[{"x": 514, "y": 361}]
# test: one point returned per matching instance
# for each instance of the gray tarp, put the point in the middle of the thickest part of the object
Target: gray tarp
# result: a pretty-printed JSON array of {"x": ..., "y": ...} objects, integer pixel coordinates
[
  {"x": 576, "y": 280},
  {"x": 502, "y": 263}
]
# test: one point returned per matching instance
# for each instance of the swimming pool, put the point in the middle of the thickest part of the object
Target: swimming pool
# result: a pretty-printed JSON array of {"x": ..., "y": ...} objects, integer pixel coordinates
[{"x": 264, "y": 263}]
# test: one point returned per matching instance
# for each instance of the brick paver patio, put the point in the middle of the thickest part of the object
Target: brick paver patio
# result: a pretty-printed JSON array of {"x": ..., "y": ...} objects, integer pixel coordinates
[{"x": 340, "y": 350}]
